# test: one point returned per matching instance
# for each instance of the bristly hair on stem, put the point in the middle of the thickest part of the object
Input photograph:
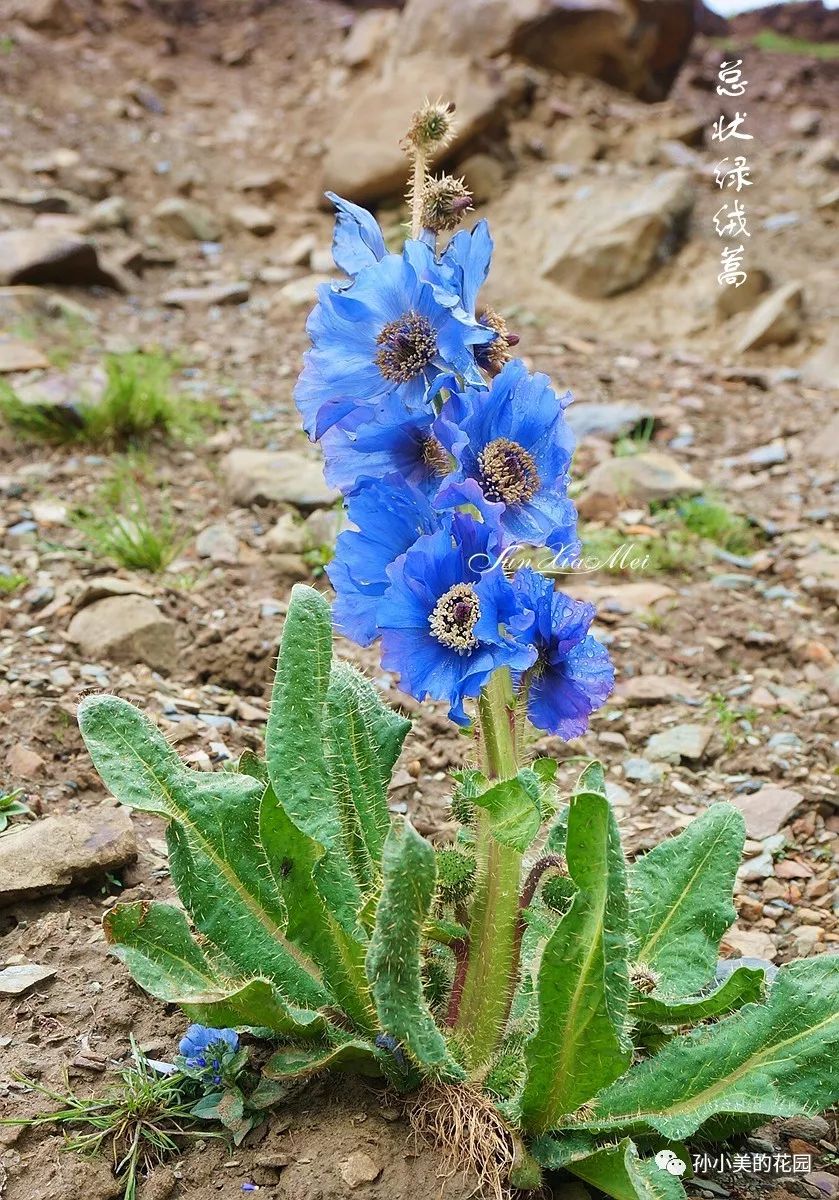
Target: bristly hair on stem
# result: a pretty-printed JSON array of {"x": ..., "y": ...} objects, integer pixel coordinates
[{"x": 430, "y": 131}]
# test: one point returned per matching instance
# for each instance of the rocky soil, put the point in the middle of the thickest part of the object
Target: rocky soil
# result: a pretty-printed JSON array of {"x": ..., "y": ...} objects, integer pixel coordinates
[{"x": 159, "y": 191}]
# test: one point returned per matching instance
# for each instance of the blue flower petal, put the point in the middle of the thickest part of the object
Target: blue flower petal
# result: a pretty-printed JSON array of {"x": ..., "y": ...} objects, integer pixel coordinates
[{"x": 357, "y": 241}]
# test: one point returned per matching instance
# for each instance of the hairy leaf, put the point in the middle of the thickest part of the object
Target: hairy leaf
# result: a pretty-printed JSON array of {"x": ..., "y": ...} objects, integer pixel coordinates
[
  {"x": 156, "y": 944},
  {"x": 776, "y": 1059},
  {"x": 616, "y": 1170},
  {"x": 514, "y": 808},
  {"x": 350, "y": 1054},
  {"x": 681, "y": 900},
  {"x": 292, "y": 858},
  {"x": 364, "y": 739},
  {"x": 742, "y": 986},
  {"x": 217, "y": 859},
  {"x": 579, "y": 1044},
  {"x": 295, "y": 740},
  {"x": 393, "y": 959}
]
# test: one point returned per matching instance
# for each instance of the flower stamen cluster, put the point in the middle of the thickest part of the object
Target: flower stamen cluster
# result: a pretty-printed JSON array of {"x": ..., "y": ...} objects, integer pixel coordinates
[{"x": 455, "y": 616}]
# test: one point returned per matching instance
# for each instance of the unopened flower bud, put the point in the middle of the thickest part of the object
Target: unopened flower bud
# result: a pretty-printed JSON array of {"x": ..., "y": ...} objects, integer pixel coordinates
[
  {"x": 431, "y": 127},
  {"x": 444, "y": 202}
]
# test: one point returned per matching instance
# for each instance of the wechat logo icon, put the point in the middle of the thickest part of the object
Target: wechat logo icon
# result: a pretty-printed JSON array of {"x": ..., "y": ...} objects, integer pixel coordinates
[{"x": 666, "y": 1160}]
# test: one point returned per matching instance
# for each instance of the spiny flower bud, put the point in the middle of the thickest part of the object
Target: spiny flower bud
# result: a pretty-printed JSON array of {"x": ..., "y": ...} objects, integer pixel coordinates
[
  {"x": 644, "y": 979},
  {"x": 557, "y": 892},
  {"x": 455, "y": 874},
  {"x": 444, "y": 202},
  {"x": 431, "y": 127},
  {"x": 497, "y": 353}
]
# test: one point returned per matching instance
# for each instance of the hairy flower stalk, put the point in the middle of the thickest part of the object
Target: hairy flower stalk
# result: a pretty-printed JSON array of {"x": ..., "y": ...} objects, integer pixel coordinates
[{"x": 493, "y": 940}]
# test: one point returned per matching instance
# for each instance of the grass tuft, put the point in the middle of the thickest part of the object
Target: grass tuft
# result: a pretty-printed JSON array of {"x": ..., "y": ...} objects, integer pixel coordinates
[
  {"x": 710, "y": 519},
  {"x": 141, "y": 1121},
  {"x": 120, "y": 526},
  {"x": 137, "y": 403},
  {"x": 9, "y": 584}
]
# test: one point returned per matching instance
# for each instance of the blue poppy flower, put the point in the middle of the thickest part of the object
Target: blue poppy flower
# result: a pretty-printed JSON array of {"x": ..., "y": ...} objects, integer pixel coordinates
[
  {"x": 389, "y": 333},
  {"x": 450, "y": 617},
  {"x": 573, "y": 674},
  {"x": 204, "y": 1047},
  {"x": 390, "y": 516},
  {"x": 514, "y": 443},
  {"x": 394, "y": 441},
  {"x": 357, "y": 240}
]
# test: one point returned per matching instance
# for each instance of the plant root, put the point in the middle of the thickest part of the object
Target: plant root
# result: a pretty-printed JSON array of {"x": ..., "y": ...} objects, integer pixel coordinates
[{"x": 463, "y": 1124}]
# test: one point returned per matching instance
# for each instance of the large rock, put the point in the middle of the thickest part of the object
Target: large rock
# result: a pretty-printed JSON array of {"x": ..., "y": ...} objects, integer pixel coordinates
[
  {"x": 282, "y": 476},
  {"x": 125, "y": 629},
  {"x": 48, "y": 856},
  {"x": 775, "y": 321},
  {"x": 636, "y": 479},
  {"x": 603, "y": 247},
  {"x": 363, "y": 157},
  {"x": 185, "y": 219},
  {"x": 43, "y": 256},
  {"x": 635, "y": 44},
  {"x": 681, "y": 742}
]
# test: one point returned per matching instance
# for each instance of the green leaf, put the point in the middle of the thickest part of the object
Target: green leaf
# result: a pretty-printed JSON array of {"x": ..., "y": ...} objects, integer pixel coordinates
[
  {"x": 742, "y": 986},
  {"x": 364, "y": 739},
  {"x": 514, "y": 808},
  {"x": 292, "y": 859},
  {"x": 393, "y": 959},
  {"x": 156, "y": 944},
  {"x": 295, "y": 739},
  {"x": 616, "y": 1170},
  {"x": 227, "y": 1107},
  {"x": 776, "y": 1059},
  {"x": 681, "y": 900},
  {"x": 297, "y": 1062},
  {"x": 579, "y": 1044},
  {"x": 217, "y": 859}
]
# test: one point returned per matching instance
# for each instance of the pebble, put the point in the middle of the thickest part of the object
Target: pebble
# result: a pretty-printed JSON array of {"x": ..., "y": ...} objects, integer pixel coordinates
[{"x": 641, "y": 770}]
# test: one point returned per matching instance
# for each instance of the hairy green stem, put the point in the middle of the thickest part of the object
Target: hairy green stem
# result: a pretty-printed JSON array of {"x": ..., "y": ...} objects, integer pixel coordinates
[
  {"x": 417, "y": 191},
  {"x": 491, "y": 970}
]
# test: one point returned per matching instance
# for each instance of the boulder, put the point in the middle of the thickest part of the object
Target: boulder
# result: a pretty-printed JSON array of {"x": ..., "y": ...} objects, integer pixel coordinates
[
  {"x": 206, "y": 297},
  {"x": 637, "y": 479},
  {"x": 603, "y": 248},
  {"x": 611, "y": 419},
  {"x": 680, "y": 742},
  {"x": 775, "y": 321},
  {"x": 369, "y": 36},
  {"x": 44, "y": 857},
  {"x": 281, "y": 476},
  {"x": 253, "y": 219},
  {"x": 127, "y": 628},
  {"x": 42, "y": 256},
  {"x": 638, "y": 45},
  {"x": 767, "y": 811},
  {"x": 185, "y": 219},
  {"x": 20, "y": 356},
  {"x": 363, "y": 159}
]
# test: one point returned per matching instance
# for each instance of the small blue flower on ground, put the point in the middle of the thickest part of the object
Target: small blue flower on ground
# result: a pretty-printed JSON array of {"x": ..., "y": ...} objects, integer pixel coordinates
[
  {"x": 573, "y": 674},
  {"x": 204, "y": 1047},
  {"x": 390, "y": 515},
  {"x": 516, "y": 445},
  {"x": 389, "y": 332},
  {"x": 450, "y": 617}
]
